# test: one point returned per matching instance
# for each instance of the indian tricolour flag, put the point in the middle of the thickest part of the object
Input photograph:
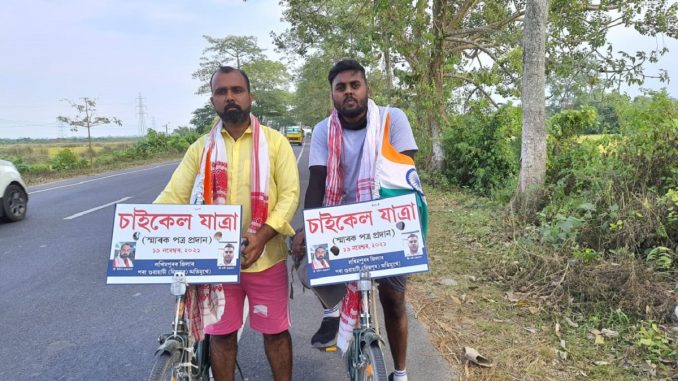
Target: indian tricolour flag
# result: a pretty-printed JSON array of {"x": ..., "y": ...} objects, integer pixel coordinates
[{"x": 396, "y": 175}]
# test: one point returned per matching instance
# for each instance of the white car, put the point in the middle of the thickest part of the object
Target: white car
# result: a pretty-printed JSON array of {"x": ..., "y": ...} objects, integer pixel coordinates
[{"x": 14, "y": 199}]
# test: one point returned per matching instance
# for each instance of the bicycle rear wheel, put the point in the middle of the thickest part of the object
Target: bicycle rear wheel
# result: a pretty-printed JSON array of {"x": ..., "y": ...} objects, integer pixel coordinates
[
  {"x": 164, "y": 366},
  {"x": 375, "y": 367}
]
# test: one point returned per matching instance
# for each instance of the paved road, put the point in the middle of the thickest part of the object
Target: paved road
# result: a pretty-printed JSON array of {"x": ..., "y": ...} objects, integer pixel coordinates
[{"x": 62, "y": 322}]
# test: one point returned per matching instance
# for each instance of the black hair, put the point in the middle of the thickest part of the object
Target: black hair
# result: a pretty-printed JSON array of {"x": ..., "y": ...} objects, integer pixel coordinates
[
  {"x": 345, "y": 65},
  {"x": 229, "y": 245},
  {"x": 226, "y": 70},
  {"x": 413, "y": 235}
]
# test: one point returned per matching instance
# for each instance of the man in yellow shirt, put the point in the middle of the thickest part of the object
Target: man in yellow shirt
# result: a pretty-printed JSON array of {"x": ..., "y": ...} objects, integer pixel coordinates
[{"x": 243, "y": 163}]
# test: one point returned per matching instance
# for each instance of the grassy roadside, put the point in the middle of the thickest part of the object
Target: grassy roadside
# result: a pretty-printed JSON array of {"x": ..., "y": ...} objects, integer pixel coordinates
[
  {"x": 41, "y": 178},
  {"x": 469, "y": 299}
]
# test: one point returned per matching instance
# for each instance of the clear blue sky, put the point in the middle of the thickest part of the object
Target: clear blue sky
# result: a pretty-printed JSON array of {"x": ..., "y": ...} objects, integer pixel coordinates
[{"x": 114, "y": 50}]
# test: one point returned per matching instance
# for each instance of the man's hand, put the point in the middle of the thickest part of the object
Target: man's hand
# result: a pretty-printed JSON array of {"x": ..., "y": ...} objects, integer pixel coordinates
[
  {"x": 257, "y": 243},
  {"x": 299, "y": 244}
]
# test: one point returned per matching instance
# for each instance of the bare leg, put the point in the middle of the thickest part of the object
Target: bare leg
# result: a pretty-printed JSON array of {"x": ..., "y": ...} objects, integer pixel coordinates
[
  {"x": 395, "y": 317},
  {"x": 223, "y": 352},
  {"x": 279, "y": 353}
]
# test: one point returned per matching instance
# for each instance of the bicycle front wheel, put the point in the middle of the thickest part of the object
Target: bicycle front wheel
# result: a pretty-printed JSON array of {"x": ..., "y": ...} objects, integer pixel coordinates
[
  {"x": 164, "y": 366},
  {"x": 375, "y": 367}
]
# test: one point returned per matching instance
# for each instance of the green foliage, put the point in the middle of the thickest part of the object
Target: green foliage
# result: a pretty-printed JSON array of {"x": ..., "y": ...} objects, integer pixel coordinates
[
  {"x": 269, "y": 81},
  {"x": 231, "y": 50},
  {"x": 625, "y": 180},
  {"x": 650, "y": 127},
  {"x": 18, "y": 162},
  {"x": 155, "y": 144},
  {"x": 669, "y": 203},
  {"x": 560, "y": 229},
  {"x": 435, "y": 53},
  {"x": 203, "y": 118},
  {"x": 662, "y": 257},
  {"x": 311, "y": 102},
  {"x": 569, "y": 124},
  {"x": 30, "y": 168},
  {"x": 179, "y": 143},
  {"x": 586, "y": 255},
  {"x": 482, "y": 148},
  {"x": 65, "y": 160},
  {"x": 656, "y": 344},
  {"x": 607, "y": 105}
]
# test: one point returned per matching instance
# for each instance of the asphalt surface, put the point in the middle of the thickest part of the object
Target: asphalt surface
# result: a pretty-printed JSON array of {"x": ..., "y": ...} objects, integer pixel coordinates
[{"x": 62, "y": 322}]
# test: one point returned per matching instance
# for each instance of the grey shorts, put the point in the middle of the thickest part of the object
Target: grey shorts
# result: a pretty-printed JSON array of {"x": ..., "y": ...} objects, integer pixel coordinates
[{"x": 331, "y": 295}]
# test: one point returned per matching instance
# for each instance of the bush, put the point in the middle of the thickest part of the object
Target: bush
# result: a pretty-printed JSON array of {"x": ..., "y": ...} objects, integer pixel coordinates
[
  {"x": 65, "y": 159},
  {"x": 38, "y": 169},
  {"x": 650, "y": 128},
  {"x": 482, "y": 148},
  {"x": 617, "y": 186}
]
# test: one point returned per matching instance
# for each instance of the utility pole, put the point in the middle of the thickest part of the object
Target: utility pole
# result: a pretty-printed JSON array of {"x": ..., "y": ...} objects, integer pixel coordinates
[
  {"x": 166, "y": 130},
  {"x": 141, "y": 112}
]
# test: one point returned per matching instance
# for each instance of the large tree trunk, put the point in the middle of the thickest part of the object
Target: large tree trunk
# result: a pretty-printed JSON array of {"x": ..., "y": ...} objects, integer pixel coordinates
[
  {"x": 438, "y": 97},
  {"x": 533, "y": 151}
]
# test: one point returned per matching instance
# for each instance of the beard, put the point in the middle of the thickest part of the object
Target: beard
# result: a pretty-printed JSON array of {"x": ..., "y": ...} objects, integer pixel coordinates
[
  {"x": 234, "y": 114},
  {"x": 351, "y": 111}
]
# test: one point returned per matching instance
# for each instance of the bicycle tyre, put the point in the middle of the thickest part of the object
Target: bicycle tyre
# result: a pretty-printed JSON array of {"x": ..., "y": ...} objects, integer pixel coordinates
[
  {"x": 375, "y": 367},
  {"x": 163, "y": 365}
]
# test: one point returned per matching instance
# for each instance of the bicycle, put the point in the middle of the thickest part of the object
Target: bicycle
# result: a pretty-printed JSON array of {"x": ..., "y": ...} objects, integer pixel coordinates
[
  {"x": 176, "y": 359},
  {"x": 365, "y": 357}
]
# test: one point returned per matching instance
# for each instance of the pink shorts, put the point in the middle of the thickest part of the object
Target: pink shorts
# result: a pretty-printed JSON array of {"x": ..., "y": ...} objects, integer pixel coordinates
[{"x": 266, "y": 292}]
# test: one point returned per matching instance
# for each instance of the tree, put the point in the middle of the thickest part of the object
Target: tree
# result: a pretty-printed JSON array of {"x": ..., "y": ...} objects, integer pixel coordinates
[
  {"x": 269, "y": 81},
  {"x": 445, "y": 52},
  {"x": 203, "y": 118},
  {"x": 311, "y": 102},
  {"x": 87, "y": 118},
  {"x": 533, "y": 150},
  {"x": 230, "y": 50}
]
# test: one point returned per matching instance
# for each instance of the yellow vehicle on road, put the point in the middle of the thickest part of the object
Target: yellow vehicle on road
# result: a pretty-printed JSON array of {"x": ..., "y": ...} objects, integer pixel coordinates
[{"x": 294, "y": 135}]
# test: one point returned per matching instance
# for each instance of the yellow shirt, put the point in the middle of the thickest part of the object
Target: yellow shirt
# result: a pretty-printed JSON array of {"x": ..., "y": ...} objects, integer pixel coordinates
[{"x": 283, "y": 195}]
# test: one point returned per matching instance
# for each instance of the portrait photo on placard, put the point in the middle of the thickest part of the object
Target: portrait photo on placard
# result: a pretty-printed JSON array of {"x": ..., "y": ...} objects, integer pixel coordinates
[{"x": 413, "y": 244}]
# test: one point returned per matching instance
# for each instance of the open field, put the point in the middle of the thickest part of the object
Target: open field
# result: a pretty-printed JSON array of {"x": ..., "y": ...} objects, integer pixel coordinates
[
  {"x": 44, "y": 161},
  {"x": 42, "y": 152}
]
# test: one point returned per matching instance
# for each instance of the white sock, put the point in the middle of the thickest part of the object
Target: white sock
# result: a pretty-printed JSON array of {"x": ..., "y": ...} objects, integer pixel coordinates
[
  {"x": 332, "y": 312},
  {"x": 400, "y": 375}
]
